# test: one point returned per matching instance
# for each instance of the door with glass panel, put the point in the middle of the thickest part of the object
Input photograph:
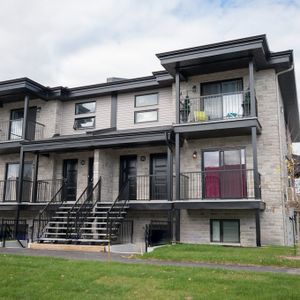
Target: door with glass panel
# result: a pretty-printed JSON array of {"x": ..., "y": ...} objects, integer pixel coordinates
[
  {"x": 223, "y": 100},
  {"x": 16, "y": 123},
  {"x": 12, "y": 181},
  {"x": 224, "y": 174}
]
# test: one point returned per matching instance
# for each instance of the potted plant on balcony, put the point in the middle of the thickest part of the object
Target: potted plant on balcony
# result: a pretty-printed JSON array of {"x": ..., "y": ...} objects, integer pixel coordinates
[{"x": 185, "y": 109}]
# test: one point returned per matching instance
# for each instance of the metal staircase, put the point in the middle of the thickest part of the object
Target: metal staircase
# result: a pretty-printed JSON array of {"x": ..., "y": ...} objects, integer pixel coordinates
[{"x": 87, "y": 221}]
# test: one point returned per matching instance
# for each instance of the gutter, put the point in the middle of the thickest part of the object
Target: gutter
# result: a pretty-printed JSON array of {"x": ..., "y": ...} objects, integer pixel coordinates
[{"x": 280, "y": 148}]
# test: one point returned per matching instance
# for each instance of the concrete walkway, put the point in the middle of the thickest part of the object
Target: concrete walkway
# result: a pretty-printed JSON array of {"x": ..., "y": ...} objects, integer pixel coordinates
[{"x": 104, "y": 257}]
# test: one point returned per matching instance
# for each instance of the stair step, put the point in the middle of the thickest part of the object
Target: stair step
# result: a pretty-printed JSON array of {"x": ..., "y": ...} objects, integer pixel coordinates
[
  {"x": 73, "y": 240},
  {"x": 74, "y": 233}
]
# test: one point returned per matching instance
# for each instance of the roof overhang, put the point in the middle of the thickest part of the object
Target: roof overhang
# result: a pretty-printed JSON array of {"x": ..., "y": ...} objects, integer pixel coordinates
[
  {"x": 224, "y": 56},
  {"x": 107, "y": 140}
]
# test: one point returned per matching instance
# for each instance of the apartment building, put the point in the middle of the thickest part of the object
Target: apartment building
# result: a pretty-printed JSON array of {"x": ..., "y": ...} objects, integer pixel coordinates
[{"x": 194, "y": 153}]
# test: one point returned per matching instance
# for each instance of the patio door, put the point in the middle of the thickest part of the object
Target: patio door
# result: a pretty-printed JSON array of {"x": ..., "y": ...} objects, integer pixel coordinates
[
  {"x": 16, "y": 123},
  {"x": 224, "y": 174},
  {"x": 128, "y": 173},
  {"x": 223, "y": 99},
  {"x": 12, "y": 181},
  {"x": 158, "y": 177},
  {"x": 70, "y": 171}
]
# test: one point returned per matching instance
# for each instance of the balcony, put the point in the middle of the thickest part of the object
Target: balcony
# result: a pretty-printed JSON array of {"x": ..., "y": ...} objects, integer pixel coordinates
[
  {"x": 46, "y": 189},
  {"x": 219, "y": 184},
  {"x": 217, "y": 107},
  {"x": 13, "y": 130}
]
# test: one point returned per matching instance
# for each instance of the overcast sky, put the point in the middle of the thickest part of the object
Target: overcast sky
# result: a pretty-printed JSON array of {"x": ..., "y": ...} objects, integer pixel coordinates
[{"x": 77, "y": 42}]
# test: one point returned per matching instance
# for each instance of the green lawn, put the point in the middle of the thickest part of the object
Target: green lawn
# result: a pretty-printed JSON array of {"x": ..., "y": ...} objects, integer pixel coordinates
[
  {"x": 52, "y": 278},
  {"x": 267, "y": 256}
]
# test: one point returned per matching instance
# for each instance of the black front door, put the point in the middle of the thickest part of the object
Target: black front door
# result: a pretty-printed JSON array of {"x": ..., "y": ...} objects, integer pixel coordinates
[
  {"x": 158, "y": 177},
  {"x": 70, "y": 177},
  {"x": 128, "y": 172}
]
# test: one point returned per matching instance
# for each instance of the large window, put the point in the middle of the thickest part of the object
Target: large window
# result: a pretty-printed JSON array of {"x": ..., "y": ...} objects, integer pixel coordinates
[
  {"x": 85, "y": 108},
  {"x": 84, "y": 123},
  {"x": 225, "y": 231},
  {"x": 146, "y": 100},
  {"x": 146, "y": 116},
  {"x": 225, "y": 99}
]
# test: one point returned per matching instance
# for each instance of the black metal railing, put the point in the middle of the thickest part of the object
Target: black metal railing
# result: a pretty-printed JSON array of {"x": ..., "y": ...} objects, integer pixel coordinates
[
  {"x": 218, "y": 184},
  {"x": 225, "y": 106},
  {"x": 116, "y": 212},
  {"x": 11, "y": 229},
  {"x": 47, "y": 212},
  {"x": 46, "y": 189},
  {"x": 9, "y": 190},
  {"x": 125, "y": 234},
  {"x": 83, "y": 207},
  {"x": 13, "y": 130},
  {"x": 147, "y": 187}
]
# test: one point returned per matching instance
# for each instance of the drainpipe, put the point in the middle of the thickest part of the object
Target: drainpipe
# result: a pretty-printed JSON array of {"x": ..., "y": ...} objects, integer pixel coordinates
[{"x": 280, "y": 146}]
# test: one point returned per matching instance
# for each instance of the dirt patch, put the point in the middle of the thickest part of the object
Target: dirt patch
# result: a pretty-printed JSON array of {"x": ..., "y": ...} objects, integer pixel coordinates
[{"x": 291, "y": 257}]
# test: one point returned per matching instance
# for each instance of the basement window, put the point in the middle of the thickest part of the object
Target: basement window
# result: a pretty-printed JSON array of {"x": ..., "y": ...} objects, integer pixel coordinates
[
  {"x": 84, "y": 123},
  {"x": 225, "y": 231}
]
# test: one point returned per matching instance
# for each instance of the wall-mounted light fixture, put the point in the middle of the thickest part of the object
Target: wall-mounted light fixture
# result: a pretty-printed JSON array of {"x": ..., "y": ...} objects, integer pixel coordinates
[
  {"x": 195, "y": 154},
  {"x": 38, "y": 109},
  {"x": 82, "y": 162},
  {"x": 194, "y": 89},
  {"x": 143, "y": 158}
]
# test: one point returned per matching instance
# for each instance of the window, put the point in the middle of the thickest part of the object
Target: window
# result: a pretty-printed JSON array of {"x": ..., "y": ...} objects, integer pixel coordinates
[
  {"x": 85, "y": 108},
  {"x": 146, "y": 116},
  {"x": 146, "y": 100},
  {"x": 225, "y": 231},
  {"x": 84, "y": 123}
]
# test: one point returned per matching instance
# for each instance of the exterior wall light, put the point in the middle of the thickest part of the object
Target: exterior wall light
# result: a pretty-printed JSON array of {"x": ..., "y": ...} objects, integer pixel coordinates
[
  {"x": 143, "y": 158},
  {"x": 195, "y": 154},
  {"x": 82, "y": 162},
  {"x": 194, "y": 89}
]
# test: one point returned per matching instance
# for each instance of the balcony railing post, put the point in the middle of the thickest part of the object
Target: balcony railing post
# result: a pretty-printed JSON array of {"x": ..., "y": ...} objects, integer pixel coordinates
[
  {"x": 255, "y": 163},
  {"x": 177, "y": 166},
  {"x": 35, "y": 177},
  {"x": 25, "y": 119},
  {"x": 177, "y": 91},
  {"x": 251, "y": 88}
]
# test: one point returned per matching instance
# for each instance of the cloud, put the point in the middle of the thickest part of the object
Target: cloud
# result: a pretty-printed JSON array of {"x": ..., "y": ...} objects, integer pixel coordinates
[{"x": 75, "y": 42}]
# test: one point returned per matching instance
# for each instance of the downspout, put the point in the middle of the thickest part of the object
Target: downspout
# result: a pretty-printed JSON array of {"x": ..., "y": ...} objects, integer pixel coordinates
[{"x": 280, "y": 147}]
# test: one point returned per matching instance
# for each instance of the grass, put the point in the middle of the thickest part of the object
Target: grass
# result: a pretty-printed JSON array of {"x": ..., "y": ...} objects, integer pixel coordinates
[
  {"x": 266, "y": 256},
  {"x": 32, "y": 278}
]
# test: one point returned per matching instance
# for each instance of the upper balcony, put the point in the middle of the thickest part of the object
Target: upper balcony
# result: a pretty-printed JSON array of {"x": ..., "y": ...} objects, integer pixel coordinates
[
  {"x": 215, "y": 107},
  {"x": 12, "y": 130}
]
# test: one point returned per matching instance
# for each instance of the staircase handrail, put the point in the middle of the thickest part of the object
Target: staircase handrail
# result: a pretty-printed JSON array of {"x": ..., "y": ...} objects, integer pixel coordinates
[
  {"x": 85, "y": 207},
  {"x": 43, "y": 217},
  {"x": 111, "y": 222}
]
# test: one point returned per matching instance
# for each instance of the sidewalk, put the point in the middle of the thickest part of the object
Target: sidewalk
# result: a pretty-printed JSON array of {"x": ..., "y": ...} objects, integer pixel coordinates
[{"x": 105, "y": 257}]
